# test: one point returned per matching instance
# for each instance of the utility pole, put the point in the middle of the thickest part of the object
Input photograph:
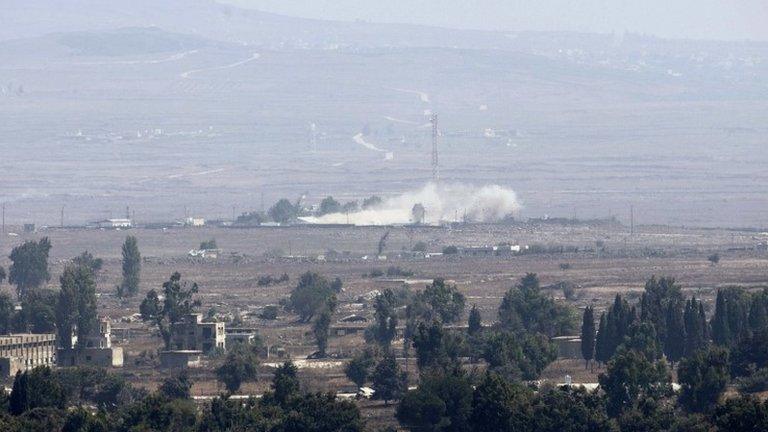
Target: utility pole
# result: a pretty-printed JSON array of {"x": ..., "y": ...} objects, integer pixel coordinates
[
  {"x": 233, "y": 212},
  {"x": 61, "y": 221},
  {"x": 3, "y": 218},
  {"x": 631, "y": 220},
  {"x": 435, "y": 139}
]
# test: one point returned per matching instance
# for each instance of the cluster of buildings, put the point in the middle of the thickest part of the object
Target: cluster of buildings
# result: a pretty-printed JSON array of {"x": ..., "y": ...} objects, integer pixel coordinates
[
  {"x": 25, "y": 351},
  {"x": 191, "y": 339}
]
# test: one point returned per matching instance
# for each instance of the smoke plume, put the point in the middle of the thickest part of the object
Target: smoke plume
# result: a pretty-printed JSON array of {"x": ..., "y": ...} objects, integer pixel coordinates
[{"x": 442, "y": 203}]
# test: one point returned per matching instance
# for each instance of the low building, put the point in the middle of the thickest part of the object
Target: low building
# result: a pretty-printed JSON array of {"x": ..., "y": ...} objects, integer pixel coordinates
[
  {"x": 21, "y": 352},
  {"x": 194, "y": 222},
  {"x": 114, "y": 223},
  {"x": 192, "y": 334},
  {"x": 568, "y": 347},
  {"x": 95, "y": 350},
  {"x": 180, "y": 359}
]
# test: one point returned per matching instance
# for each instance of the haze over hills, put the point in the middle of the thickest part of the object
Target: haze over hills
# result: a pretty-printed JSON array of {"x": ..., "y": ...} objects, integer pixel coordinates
[{"x": 168, "y": 105}]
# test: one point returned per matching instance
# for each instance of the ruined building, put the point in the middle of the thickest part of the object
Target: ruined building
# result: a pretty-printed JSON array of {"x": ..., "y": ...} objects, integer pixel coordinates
[{"x": 20, "y": 352}]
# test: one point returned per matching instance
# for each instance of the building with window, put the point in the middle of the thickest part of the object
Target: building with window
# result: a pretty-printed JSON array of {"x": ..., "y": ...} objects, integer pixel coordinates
[
  {"x": 192, "y": 334},
  {"x": 20, "y": 352},
  {"x": 95, "y": 350}
]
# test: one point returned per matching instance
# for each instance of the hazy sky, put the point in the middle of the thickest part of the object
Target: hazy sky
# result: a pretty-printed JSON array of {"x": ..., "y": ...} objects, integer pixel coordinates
[{"x": 709, "y": 19}]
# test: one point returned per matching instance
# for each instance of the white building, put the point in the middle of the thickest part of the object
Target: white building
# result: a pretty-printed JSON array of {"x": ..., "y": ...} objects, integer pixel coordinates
[{"x": 114, "y": 223}]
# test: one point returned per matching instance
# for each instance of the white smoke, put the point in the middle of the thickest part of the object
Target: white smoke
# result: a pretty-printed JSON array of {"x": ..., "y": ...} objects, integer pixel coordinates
[{"x": 442, "y": 202}]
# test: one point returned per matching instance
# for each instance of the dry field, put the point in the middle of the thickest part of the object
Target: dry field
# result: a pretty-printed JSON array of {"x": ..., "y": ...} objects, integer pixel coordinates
[{"x": 229, "y": 283}]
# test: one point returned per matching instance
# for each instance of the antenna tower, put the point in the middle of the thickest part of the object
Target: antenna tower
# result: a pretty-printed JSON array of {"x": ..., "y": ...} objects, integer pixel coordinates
[{"x": 435, "y": 139}]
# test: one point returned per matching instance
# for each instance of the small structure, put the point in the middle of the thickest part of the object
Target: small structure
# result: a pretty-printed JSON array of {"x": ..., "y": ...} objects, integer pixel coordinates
[
  {"x": 21, "y": 352},
  {"x": 192, "y": 334},
  {"x": 180, "y": 359},
  {"x": 194, "y": 222},
  {"x": 95, "y": 350},
  {"x": 204, "y": 253},
  {"x": 568, "y": 347},
  {"x": 114, "y": 223}
]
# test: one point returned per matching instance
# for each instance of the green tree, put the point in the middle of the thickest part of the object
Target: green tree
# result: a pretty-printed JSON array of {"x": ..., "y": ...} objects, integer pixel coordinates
[
  {"x": 436, "y": 347},
  {"x": 758, "y": 311},
  {"x": 177, "y": 304},
  {"x": 445, "y": 301},
  {"x": 642, "y": 338},
  {"x": 241, "y": 364},
  {"x": 285, "y": 383},
  {"x": 601, "y": 341},
  {"x": 475, "y": 321},
  {"x": 618, "y": 321},
  {"x": 674, "y": 344},
  {"x": 388, "y": 381},
  {"x": 518, "y": 355},
  {"x": 741, "y": 414},
  {"x": 328, "y": 205},
  {"x": 321, "y": 330},
  {"x": 567, "y": 409},
  {"x": 703, "y": 378},
  {"x": 696, "y": 335},
  {"x": 76, "y": 308},
  {"x": 38, "y": 311},
  {"x": 524, "y": 307},
  {"x": 311, "y": 295},
  {"x": 7, "y": 313},
  {"x": 88, "y": 260},
  {"x": 81, "y": 420},
  {"x": 283, "y": 211},
  {"x": 654, "y": 303},
  {"x": 129, "y": 286},
  {"x": 29, "y": 265},
  {"x": 499, "y": 405},
  {"x": 3, "y": 275},
  {"x": 630, "y": 376},
  {"x": 385, "y": 316},
  {"x": 36, "y": 388},
  {"x": 588, "y": 335},
  {"x": 177, "y": 386},
  {"x": 359, "y": 368},
  {"x": 442, "y": 402}
]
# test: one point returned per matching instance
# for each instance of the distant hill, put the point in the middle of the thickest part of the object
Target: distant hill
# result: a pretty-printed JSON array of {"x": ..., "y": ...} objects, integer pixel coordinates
[
  {"x": 128, "y": 41},
  {"x": 209, "y": 19}
]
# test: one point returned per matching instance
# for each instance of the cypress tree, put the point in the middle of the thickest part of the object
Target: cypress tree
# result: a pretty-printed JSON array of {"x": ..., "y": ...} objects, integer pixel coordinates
[
  {"x": 695, "y": 329},
  {"x": 588, "y": 336},
  {"x": 758, "y": 315},
  {"x": 474, "y": 324},
  {"x": 721, "y": 331},
  {"x": 601, "y": 341},
  {"x": 674, "y": 344},
  {"x": 131, "y": 268}
]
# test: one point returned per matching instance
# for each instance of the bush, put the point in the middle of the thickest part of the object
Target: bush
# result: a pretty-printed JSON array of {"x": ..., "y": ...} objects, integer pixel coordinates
[
  {"x": 374, "y": 273},
  {"x": 397, "y": 271},
  {"x": 450, "y": 250},
  {"x": 755, "y": 383},
  {"x": 269, "y": 313}
]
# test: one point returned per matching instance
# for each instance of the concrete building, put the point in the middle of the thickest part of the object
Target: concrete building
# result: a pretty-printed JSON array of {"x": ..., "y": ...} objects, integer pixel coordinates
[
  {"x": 181, "y": 359},
  {"x": 96, "y": 349},
  {"x": 568, "y": 347},
  {"x": 192, "y": 334},
  {"x": 20, "y": 352},
  {"x": 114, "y": 223}
]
